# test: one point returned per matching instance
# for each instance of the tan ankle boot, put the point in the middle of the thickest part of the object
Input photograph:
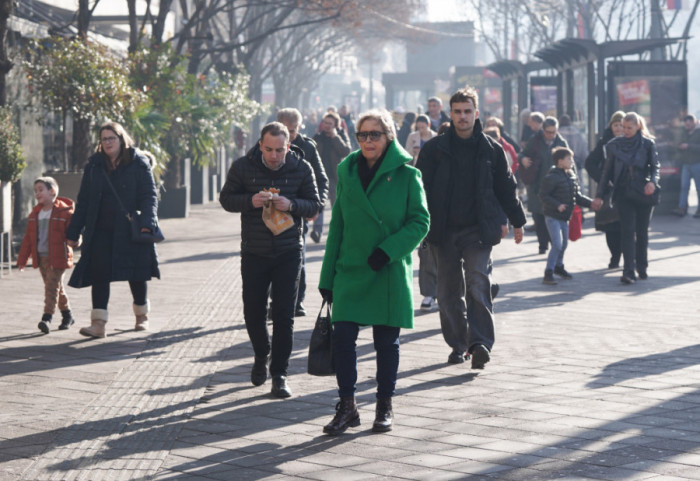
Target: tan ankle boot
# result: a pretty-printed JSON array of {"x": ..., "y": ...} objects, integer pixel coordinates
[
  {"x": 98, "y": 319},
  {"x": 141, "y": 313}
]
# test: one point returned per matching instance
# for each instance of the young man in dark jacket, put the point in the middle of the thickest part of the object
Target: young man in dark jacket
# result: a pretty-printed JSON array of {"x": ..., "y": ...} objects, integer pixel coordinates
[
  {"x": 468, "y": 185},
  {"x": 267, "y": 259}
]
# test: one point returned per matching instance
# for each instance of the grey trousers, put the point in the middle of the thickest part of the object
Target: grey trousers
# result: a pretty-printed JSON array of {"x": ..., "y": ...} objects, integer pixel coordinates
[{"x": 464, "y": 291}]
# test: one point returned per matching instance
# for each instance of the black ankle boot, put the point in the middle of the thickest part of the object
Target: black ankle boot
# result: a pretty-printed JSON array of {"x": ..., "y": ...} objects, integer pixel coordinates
[
  {"x": 346, "y": 416},
  {"x": 45, "y": 323},
  {"x": 67, "y": 320},
  {"x": 385, "y": 416}
]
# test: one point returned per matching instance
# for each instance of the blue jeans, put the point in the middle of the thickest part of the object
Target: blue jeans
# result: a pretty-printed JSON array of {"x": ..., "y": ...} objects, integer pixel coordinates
[
  {"x": 464, "y": 291},
  {"x": 258, "y": 274},
  {"x": 688, "y": 171},
  {"x": 559, "y": 235},
  {"x": 386, "y": 343}
]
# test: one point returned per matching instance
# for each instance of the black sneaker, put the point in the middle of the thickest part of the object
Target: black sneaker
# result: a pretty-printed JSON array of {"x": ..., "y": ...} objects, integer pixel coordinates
[
  {"x": 67, "y": 320},
  {"x": 643, "y": 275},
  {"x": 300, "y": 311},
  {"x": 627, "y": 280},
  {"x": 561, "y": 272},
  {"x": 480, "y": 356},
  {"x": 495, "y": 288},
  {"x": 45, "y": 323},
  {"x": 456, "y": 357},
  {"x": 258, "y": 375},
  {"x": 315, "y": 236}
]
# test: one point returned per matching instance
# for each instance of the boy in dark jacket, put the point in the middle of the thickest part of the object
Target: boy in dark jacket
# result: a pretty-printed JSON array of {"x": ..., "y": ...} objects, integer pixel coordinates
[
  {"x": 558, "y": 193},
  {"x": 45, "y": 242}
]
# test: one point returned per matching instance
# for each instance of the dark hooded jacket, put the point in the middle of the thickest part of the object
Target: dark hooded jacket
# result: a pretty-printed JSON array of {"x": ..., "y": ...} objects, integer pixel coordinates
[
  {"x": 134, "y": 184},
  {"x": 295, "y": 180},
  {"x": 494, "y": 179}
]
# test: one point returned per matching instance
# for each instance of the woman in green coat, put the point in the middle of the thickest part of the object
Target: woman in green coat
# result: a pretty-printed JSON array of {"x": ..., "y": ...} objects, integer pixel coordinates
[{"x": 379, "y": 218}]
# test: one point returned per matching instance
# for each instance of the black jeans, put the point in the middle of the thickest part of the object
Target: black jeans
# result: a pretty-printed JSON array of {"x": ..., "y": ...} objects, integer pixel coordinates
[
  {"x": 614, "y": 241},
  {"x": 386, "y": 343},
  {"x": 101, "y": 272},
  {"x": 282, "y": 274},
  {"x": 634, "y": 235},
  {"x": 541, "y": 231}
]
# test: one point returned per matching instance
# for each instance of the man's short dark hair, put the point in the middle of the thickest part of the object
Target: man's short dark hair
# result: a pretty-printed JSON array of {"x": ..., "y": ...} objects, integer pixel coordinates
[
  {"x": 559, "y": 153},
  {"x": 435, "y": 99},
  {"x": 275, "y": 129},
  {"x": 564, "y": 120},
  {"x": 690, "y": 117},
  {"x": 464, "y": 95},
  {"x": 550, "y": 121}
]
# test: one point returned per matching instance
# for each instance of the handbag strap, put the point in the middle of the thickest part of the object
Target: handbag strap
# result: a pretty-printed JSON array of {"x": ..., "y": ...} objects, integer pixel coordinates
[
  {"x": 114, "y": 191},
  {"x": 327, "y": 305}
]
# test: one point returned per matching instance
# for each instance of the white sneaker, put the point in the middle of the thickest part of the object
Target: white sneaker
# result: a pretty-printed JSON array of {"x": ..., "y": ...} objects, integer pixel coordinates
[{"x": 427, "y": 303}]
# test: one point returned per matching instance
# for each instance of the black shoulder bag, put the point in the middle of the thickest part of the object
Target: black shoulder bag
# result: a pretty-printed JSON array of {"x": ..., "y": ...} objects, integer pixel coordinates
[{"x": 134, "y": 218}]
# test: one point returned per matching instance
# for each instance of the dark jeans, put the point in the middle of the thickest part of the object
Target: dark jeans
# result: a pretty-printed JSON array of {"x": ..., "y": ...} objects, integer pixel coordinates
[
  {"x": 101, "y": 272},
  {"x": 282, "y": 274},
  {"x": 541, "y": 231},
  {"x": 464, "y": 265},
  {"x": 614, "y": 241},
  {"x": 386, "y": 343},
  {"x": 634, "y": 235}
]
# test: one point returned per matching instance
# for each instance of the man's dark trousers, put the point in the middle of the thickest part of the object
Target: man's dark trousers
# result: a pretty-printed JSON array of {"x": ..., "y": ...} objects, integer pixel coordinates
[{"x": 259, "y": 273}]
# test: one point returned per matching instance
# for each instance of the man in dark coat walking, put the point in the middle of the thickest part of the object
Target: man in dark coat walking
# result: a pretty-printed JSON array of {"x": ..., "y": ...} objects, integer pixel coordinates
[
  {"x": 271, "y": 260},
  {"x": 469, "y": 186}
]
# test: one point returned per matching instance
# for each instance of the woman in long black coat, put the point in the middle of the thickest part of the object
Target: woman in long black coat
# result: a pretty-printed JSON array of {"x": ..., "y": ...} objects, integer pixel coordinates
[
  {"x": 607, "y": 219},
  {"x": 108, "y": 253}
]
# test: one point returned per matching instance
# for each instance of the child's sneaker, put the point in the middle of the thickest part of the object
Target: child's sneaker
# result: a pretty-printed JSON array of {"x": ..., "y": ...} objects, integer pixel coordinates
[
  {"x": 67, "y": 320},
  {"x": 45, "y": 323},
  {"x": 561, "y": 272},
  {"x": 549, "y": 278}
]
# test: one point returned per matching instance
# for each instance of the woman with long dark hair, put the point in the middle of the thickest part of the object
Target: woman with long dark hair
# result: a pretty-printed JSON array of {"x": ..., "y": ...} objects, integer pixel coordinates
[{"x": 108, "y": 253}]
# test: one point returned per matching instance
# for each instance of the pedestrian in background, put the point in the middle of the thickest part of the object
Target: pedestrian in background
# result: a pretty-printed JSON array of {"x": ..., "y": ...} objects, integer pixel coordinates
[
  {"x": 45, "y": 242},
  {"x": 379, "y": 218},
  {"x": 420, "y": 136},
  {"x": 607, "y": 218},
  {"x": 690, "y": 170},
  {"x": 332, "y": 149},
  {"x": 631, "y": 161},
  {"x": 108, "y": 253},
  {"x": 559, "y": 193},
  {"x": 407, "y": 123},
  {"x": 271, "y": 260},
  {"x": 292, "y": 119}
]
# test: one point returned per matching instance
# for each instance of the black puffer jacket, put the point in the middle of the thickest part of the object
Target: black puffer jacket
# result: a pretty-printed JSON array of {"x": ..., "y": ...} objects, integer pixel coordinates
[
  {"x": 308, "y": 146},
  {"x": 248, "y": 176},
  {"x": 496, "y": 186},
  {"x": 559, "y": 187}
]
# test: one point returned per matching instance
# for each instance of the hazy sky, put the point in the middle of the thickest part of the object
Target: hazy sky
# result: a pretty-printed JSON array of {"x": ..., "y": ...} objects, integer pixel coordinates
[{"x": 444, "y": 10}]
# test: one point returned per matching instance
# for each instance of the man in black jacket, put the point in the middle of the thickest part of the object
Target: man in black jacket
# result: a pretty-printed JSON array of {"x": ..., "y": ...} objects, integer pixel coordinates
[
  {"x": 536, "y": 160},
  {"x": 267, "y": 259},
  {"x": 292, "y": 119},
  {"x": 469, "y": 186}
]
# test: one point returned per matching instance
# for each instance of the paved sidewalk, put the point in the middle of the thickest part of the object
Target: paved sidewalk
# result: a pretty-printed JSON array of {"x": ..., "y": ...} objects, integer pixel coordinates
[{"x": 589, "y": 379}]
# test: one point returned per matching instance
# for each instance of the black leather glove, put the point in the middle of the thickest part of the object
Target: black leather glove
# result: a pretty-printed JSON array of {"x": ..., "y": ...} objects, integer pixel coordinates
[
  {"x": 327, "y": 295},
  {"x": 378, "y": 259}
]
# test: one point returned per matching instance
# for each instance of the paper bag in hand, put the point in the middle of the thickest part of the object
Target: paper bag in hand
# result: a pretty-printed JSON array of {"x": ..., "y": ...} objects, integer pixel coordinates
[{"x": 275, "y": 220}]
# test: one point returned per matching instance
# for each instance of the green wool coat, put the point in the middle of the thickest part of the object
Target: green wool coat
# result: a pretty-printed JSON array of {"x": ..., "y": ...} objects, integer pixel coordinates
[{"x": 392, "y": 215}]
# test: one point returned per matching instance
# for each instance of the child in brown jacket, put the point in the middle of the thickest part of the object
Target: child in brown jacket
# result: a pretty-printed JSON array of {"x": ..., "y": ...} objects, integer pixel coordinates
[{"x": 45, "y": 242}]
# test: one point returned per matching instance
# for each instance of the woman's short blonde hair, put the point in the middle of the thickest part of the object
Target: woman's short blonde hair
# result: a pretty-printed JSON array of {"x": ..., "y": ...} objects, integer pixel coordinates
[{"x": 383, "y": 118}]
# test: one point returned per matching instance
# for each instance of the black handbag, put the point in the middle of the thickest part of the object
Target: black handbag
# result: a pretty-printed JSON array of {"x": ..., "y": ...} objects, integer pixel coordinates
[
  {"x": 634, "y": 191},
  {"x": 321, "y": 345},
  {"x": 134, "y": 218}
]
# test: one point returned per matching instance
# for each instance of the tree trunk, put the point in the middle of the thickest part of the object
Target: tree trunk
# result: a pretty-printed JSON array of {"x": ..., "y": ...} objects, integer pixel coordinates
[
  {"x": 5, "y": 64},
  {"x": 81, "y": 144},
  {"x": 83, "y": 18}
]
